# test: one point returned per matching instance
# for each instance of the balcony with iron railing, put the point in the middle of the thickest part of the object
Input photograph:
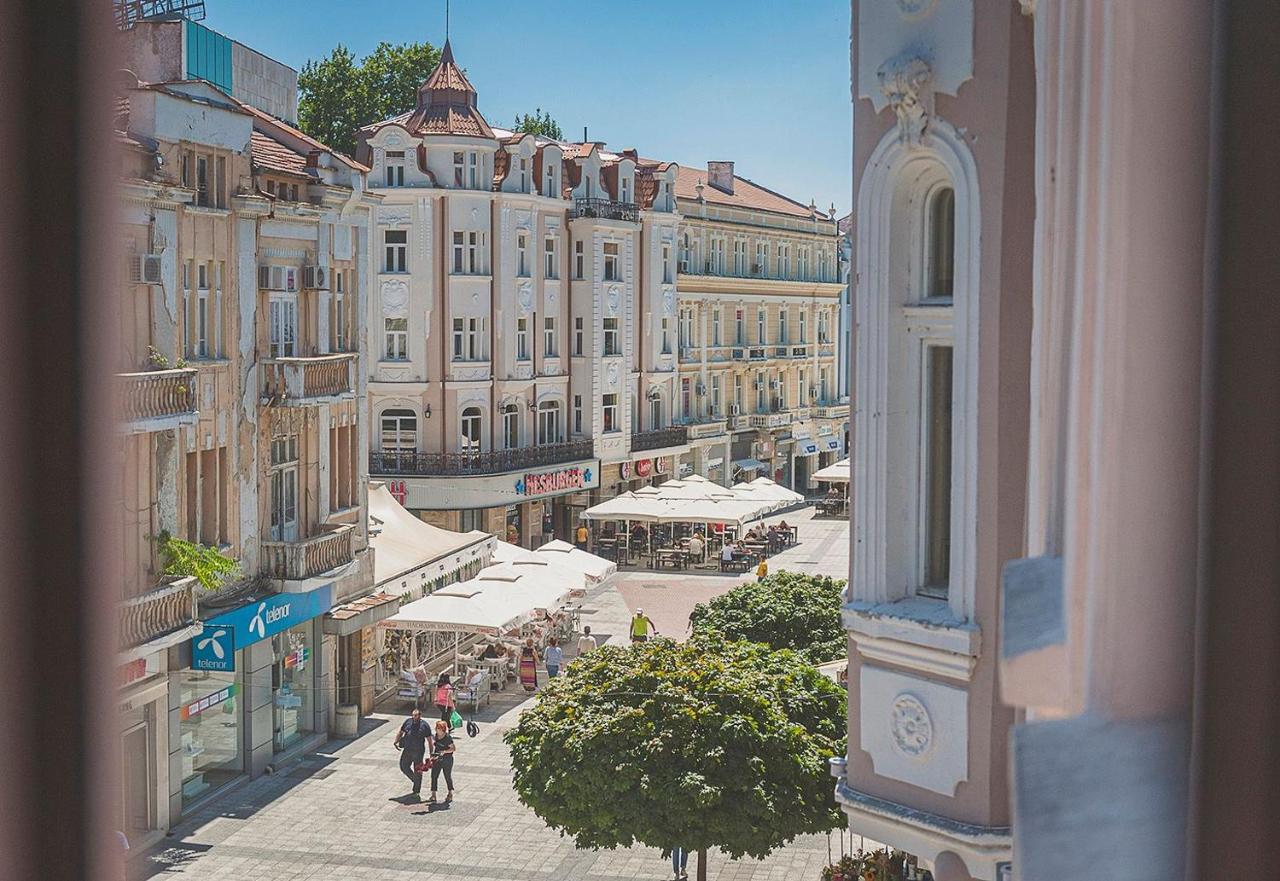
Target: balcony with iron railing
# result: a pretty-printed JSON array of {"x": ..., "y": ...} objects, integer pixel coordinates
[
  {"x": 473, "y": 463},
  {"x": 605, "y": 209},
  {"x": 317, "y": 379},
  {"x": 157, "y": 400},
  {"x": 309, "y": 557},
  {"x": 162, "y": 610},
  {"x": 659, "y": 438}
]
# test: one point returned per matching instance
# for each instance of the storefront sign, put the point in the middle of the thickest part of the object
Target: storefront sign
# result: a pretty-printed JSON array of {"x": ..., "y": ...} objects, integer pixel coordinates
[
  {"x": 644, "y": 467},
  {"x": 215, "y": 649},
  {"x": 398, "y": 489},
  {"x": 564, "y": 480},
  {"x": 624, "y": 470},
  {"x": 131, "y": 672},
  {"x": 663, "y": 465},
  {"x": 196, "y": 707}
]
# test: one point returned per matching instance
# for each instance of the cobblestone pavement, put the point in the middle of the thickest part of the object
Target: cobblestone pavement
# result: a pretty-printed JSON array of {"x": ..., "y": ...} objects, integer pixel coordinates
[{"x": 342, "y": 812}]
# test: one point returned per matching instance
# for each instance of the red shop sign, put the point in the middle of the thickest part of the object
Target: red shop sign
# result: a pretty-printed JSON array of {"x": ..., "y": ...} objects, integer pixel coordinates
[{"x": 644, "y": 467}]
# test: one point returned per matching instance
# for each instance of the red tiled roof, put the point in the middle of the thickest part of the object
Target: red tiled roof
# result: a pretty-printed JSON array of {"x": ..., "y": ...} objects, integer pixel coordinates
[
  {"x": 449, "y": 119},
  {"x": 270, "y": 154},
  {"x": 304, "y": 137},
  {"x": 745, "y": 194},
  {"x": 447, "y": 75}
]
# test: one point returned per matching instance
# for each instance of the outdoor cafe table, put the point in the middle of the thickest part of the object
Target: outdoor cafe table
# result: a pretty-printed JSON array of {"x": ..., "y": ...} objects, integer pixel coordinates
[
  {"x": 757, "y": 548},
  {"x": 673, "y": 557}
]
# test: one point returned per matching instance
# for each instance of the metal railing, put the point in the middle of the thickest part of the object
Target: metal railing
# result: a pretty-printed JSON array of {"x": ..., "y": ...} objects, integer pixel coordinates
[
  {"x": 303, "y": 379},
  {"x": 157, "y": 394},
  {"x": 473, "y": 463},
  {"x": 606, "y": 209},
  {"x": 308, "y": 557},
  {"x": 658, "y": 438},
  {"x": 161, "y": 610}
]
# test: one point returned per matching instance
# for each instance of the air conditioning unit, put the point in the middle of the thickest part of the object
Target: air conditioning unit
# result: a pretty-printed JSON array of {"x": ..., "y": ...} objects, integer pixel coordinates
[
  {"x": 773, "y": 383},
  {"x": 701, "y": 388},
  {"x": 144, "y": 268},
  {"x": 315, "y": 278}
]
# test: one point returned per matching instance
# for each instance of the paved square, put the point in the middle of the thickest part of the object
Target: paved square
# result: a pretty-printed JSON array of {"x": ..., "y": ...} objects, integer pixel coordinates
[{"x": 342, "y": 812}]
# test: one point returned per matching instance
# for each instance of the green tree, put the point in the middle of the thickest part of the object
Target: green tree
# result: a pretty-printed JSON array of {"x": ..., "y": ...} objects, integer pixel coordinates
[
  {"x": 787, "y": 610},
  {"x": 337, "y": 95},
  {"x": 696, "y": 745},
  {"x": 538, "y": 124},
  {"x": 184, "y": 558}
]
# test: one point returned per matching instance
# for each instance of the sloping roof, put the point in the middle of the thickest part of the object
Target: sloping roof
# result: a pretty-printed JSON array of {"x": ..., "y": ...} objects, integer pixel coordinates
[
  {"x": 447, "y": 75},
  {"x": 270, "y": 154},
  {"x": 263, "y": 120},
  {"x": 745, "y": 194}
]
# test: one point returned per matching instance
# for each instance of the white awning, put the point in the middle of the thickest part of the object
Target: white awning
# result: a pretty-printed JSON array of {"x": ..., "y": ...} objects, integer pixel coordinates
[
  {"x": 498, "y": 600},
  {"x": 805, "y": 449},
  {"x": 595, "y": 569},
  {"x": 402, "y": 543},
  {"x": 748, "y": 464},
  {"x": 837, "y": 473}
]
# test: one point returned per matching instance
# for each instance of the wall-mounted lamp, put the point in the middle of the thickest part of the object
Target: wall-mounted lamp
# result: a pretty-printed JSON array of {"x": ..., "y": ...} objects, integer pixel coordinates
[
  {"x": 533, "y": 408},
  {"x": 426, "y": 411}
]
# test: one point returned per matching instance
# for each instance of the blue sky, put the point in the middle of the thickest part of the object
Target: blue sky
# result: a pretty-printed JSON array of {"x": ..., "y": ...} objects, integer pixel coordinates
[{"x": 762, "y": 82}]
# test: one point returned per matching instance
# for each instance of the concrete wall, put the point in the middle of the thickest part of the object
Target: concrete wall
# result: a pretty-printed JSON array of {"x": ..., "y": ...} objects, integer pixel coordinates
[{"x": 265, "y": 83}]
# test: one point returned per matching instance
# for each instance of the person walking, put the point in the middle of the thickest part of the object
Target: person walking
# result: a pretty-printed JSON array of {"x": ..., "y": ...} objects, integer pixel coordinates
[
  {"x": 553, "y": 657},
  {"x": 529, "y": 665},
  {"x": 411, "y": 740},
  {"x": 445, "y": 699},
  {"x": 582, "y": 535},
  {"x": 679, "y": 864},
  {"x": 587, "y": 642},
  {"x": 641, "y": 627},
  {"x": 762, "y": 571},
  {"x": 442, "y": 749}
]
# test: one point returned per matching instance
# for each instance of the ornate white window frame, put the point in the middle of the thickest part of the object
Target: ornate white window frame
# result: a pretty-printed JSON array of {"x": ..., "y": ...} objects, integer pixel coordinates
[{"x": 886, "y": 262}]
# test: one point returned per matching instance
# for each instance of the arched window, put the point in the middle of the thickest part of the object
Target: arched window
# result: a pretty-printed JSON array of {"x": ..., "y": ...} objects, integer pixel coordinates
[
  {"x": 655, "y": 411},
  {"x": 399, "y": 431},
  {"x": 940, "y": 253},
  {"x": 549, "y": 422},
  {"x": 511, "y": 426},
  {"x": 471, "y": 422}
]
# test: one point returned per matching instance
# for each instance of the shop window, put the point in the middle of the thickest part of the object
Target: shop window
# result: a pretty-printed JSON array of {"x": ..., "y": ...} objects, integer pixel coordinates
[
  {"x": 211, "y": 743},
  {"x": 293, "y": 685}
]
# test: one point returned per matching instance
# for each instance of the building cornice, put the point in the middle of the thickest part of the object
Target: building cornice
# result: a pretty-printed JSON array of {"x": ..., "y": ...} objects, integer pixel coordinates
[{"x": 765, "y": 287}]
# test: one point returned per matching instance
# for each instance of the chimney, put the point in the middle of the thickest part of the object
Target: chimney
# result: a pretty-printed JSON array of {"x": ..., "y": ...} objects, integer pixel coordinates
[{"x": 720, "y": 176}]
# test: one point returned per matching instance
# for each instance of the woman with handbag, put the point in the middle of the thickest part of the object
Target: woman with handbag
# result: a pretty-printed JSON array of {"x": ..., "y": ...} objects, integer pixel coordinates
[
  {"x": 445, "y": 700},
  {"x": 442, "y": 749},
  {"x": 529, "y": 666}
]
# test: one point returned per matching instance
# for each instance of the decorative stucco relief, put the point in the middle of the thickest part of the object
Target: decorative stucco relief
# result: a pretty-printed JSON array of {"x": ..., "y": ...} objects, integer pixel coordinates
[
  {"x": 395, "y": 298},
  {"x": 907, "y": 85}
]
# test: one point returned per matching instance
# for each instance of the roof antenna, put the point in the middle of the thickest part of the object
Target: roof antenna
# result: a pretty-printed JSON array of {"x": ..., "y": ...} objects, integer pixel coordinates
[
  {"x": 446, "y": 21},
  {"x": 584, "y": 134}
]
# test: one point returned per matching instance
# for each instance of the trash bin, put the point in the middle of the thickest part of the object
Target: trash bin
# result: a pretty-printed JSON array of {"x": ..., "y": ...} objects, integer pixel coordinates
[{"x": 347, "y": 722}]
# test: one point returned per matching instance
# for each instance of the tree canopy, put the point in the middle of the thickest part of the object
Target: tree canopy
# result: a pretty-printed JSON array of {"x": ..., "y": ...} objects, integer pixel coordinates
[
  {"x": 697, "y": 745},
  {"x": 787, "y": 610},
  {"x": 539, "y": 123},
  {"x": 337, "y": 94}
]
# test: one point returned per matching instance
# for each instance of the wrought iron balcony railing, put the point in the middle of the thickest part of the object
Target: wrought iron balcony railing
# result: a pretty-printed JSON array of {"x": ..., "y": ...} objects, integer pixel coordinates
[
  {"x": 393, "y": 463},
  {"x": 660, "y": 438},
  {"x": 606, "y": 209}
]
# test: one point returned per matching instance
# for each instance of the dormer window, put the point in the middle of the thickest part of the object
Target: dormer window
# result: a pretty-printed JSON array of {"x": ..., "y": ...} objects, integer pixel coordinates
[
  {"x": 551, "y": 180},
  {"x": 459, "y": 168},
  {"x": 524, "y": 175},
  {"x": 625, "y": 189},
  {"x": 395, "y": 168}
]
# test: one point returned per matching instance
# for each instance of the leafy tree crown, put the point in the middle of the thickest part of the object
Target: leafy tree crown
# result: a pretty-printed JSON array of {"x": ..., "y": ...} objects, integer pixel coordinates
[
  {"x": 539, "y": 123},
  {"x": 697, "y": 745},
  {"x": 786, "y": 610}
]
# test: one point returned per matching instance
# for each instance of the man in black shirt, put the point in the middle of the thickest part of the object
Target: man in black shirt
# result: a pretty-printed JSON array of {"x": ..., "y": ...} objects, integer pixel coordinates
[{"x": 411, "y": 740}]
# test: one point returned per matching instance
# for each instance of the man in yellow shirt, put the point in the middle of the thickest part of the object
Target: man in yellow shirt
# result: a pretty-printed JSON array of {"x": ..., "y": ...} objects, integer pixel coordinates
[
  {"x": 582, "y": 535},
  {"x": 762, "y": 570},
  {"x": 641, "y": 627}
]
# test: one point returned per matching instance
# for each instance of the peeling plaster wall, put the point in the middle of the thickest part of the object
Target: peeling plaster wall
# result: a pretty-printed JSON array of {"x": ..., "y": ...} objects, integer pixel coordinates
[{"x": 246, "y": 459}]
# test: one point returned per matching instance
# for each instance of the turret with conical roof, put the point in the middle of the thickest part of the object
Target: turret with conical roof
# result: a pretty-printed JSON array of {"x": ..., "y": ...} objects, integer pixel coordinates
[{"x": 447, "y": 103}]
